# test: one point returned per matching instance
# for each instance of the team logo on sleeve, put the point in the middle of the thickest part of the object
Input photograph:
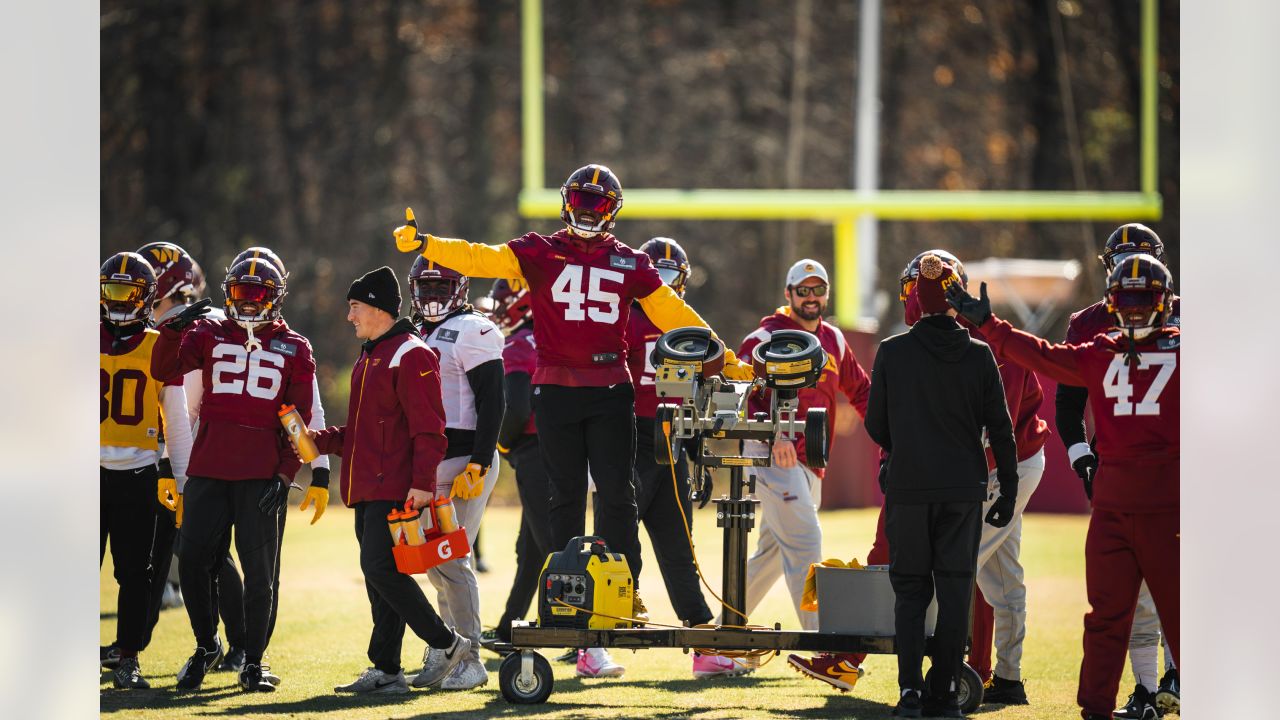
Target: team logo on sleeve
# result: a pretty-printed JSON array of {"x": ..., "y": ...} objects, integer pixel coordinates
[
  {"x": 283, "y": 347},
  {"x": 622, "y": 263}
]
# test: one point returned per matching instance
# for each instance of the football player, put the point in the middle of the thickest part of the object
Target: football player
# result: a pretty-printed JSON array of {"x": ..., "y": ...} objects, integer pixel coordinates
[
  {"x": 790, "y": 491},
  {"x": 471, "y": 384},
  {"x": 134, "y": 406},
  {"x": 518, "y": 443},
  {"x": 660, "y": 504},
  {"x": 1145, "y": 636},
  {"x": 243, "y": 463},
  {"x": 582, "y": 282},
  {"x": 1132, "y": 377}
]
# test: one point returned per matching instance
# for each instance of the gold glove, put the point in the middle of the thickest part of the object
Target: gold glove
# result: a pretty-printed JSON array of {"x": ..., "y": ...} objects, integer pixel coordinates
[
  {"x": 319, "y": 496},
  {"x": 469, "y": 483},
  {"x": 735, "y": 369},
  {"x": 167, "y": 493},
  {"x": 809, "y": 597},
  {"x": 408, "y": 239}
]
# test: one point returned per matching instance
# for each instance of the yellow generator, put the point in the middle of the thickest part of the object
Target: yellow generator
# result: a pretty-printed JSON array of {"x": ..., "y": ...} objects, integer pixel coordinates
[{"x": 582, "y": 579}]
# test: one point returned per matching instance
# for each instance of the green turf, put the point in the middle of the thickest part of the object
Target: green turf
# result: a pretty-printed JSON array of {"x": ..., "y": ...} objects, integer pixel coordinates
[{"x": 324, "y": 623}]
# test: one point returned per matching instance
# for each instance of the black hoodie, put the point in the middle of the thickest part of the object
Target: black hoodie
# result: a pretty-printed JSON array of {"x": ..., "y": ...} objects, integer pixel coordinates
[{"x": 933, "y": 390}]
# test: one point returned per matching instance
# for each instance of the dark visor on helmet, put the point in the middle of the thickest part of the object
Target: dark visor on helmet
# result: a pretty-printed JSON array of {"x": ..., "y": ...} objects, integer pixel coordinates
[
  {"x": 1137, "y": 299},
  {"x": 582, "y": 200},
  {"x": 250, "y": 292},
  {"x": 433, "y": 289}
]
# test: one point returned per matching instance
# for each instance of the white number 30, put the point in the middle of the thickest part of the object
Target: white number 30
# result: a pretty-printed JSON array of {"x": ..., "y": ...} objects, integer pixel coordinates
[
  {"x": 1116, "y": 383},
  {"x": 263, "y": 366},
  {"x": 567, "y": 289}
]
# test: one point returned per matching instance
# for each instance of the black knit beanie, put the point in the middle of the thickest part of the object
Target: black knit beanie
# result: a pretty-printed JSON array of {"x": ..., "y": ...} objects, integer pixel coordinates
[{"x": 378, "y": 288}]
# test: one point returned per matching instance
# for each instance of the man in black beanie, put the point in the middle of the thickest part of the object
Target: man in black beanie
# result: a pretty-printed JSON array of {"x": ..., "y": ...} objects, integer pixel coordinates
[
  {"x": 390, "y": 449},
  {"x": 933, "y": 391}
]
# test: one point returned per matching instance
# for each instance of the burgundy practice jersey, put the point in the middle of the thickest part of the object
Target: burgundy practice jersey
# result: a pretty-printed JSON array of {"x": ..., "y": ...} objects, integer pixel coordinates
[
  {"x": 239, "y": 436},
  {"x": 841, "y": 374},
  {"x": 581, "y": 299},
  {"x": 642, "y": 335},
  {"x": 520, "y": 354},
  {"x": 1136, "y": 408}
]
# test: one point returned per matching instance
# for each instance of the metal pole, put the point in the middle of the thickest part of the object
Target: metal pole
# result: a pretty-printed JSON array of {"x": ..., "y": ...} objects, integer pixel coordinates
[
  {"x": 737, "y": 515},
  {"x": 867, "y": 149},
  {"x": 1150, "y": 142}
]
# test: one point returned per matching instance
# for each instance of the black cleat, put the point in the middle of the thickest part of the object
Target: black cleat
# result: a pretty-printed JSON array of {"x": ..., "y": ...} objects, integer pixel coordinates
[
  {"x": 1167, "y": 697},
  {"x": 1139, "y": 707},
  {"x": 109, "y": 656},
  {"x": 999, "y": 691},
  {"x": 909, "y": 705},
  {"x": 191, "y": 676},
  {"x": 251, "y": 679},
  {"x": 948, "y": 708},
  {"x": 128, "y": 675},
  {"x": 232, "y": 661}
]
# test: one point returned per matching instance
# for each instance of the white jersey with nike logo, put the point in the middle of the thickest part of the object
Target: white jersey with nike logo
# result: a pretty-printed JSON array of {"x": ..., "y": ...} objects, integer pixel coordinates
[{"x": 464, "y": 342}]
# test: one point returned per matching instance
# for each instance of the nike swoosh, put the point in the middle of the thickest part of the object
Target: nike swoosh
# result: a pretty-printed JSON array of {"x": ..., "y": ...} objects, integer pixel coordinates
[
  {"x": 425, "y": 373},
  {"x": 384, "y": 684},
  {"x": 138, "y": 471},
  {"x": 485, "y": 332}
]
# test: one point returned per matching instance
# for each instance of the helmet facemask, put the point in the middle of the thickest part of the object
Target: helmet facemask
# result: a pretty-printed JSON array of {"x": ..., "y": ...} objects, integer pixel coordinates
[
  {"x": 434, "y": 297},
  {"x": 587, "y": 211},
  {"x": 258, "y": 300},
  {"x": 1138, "y": 312},
  {"x": 125, "y": 302}
]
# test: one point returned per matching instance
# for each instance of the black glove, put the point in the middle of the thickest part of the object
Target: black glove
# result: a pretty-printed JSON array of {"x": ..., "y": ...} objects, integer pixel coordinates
[
  {"x": 1001, "y": 511},
  {"x": 975, "y": 311},
  {"x": 701, "y": 492},
  {"x": 274, "y": 496},
  {"x": 320, "y": 477},
  {"x": 1086, "y": 466},
  {"x": 190, "y": 315},
  {"x": 882, "y": 477}
]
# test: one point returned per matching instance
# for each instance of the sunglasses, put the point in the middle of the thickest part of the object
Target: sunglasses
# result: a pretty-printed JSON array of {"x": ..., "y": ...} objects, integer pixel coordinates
[{"x": 807, "y": 290}]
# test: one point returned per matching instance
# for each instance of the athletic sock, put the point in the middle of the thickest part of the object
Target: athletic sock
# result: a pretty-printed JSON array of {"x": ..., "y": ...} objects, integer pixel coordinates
[
  {"x": 1143, "y": 660},
  {"x": 1169, "y": 664}
]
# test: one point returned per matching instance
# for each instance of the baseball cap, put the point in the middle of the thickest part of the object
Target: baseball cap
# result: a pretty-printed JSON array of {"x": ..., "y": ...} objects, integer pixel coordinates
[{"x": 805, "y": 269}]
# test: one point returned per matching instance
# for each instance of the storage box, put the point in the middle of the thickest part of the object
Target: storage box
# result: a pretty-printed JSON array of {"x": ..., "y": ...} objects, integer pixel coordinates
[
  {"x": 438, "y": 549},
  {"x": 860, "y": 602}
]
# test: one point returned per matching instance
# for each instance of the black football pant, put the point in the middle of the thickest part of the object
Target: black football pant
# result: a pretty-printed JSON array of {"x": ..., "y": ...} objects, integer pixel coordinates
[
  {"x": 162, "y": 549},
  {"x": 212, "y": 509},
  {"x": 533, "y": 543},
  {"x": 933, "y": 547},
  {"x": 127, "y": 520},
  {"x": 395, "y": 599},
  {"x": 657, "y": 502},
  {"x": 578, "y": 426}
]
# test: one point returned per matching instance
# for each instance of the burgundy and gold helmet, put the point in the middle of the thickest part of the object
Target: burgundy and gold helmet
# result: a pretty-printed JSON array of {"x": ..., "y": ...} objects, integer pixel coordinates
[
  {"x": 435, "y": 290},
  {"x": 1130, "y": 239},
  {"x": 174, "y": 267},
  {"x": 511, "y": 304},
  {"x": 263, "y": 253},
  {"x": 590, "y": 200},
  {"x": 1140, "y": 294},
  {"x": 126, "y": 289},
  {"x": 670, "y": 260},
  {"x": 253, "y": 281}
]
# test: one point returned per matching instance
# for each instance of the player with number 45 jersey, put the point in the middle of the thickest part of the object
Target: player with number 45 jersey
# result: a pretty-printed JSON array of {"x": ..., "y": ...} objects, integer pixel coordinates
[
  {"x": 242, "y": 463},
  {"x": 1132, "y": 377},
  {"x": 582, "y": 282}
]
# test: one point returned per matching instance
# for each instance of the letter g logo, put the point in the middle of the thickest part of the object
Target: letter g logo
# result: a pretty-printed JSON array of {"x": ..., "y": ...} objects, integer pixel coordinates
[{"x": 445, "y": 551}]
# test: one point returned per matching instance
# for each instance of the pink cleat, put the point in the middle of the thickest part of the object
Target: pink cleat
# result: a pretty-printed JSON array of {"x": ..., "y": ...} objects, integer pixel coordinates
[
  {"x": 709, "y": 666},
  {"x": 596, "y": 663}
]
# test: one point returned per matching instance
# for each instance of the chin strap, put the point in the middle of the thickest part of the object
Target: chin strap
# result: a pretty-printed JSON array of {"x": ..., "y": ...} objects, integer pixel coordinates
[
  {"x": 1131, "y": 355},
  {"x": 251, "y": 343}
]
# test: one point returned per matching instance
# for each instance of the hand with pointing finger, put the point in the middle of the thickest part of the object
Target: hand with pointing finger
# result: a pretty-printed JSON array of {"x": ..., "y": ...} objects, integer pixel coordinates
[{"x": 408, "y": 239}]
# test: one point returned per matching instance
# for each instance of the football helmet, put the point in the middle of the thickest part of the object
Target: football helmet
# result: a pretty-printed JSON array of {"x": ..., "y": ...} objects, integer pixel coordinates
[
  {"x": 175, "y": 269},
  {"x": 912, "y": 270},
  {"x": 258, "y": 252},
  {"x": 435, "y": 290},
  {"x": 257, "y": 282},
  {"x": 590, "y": 200},
  {"x": 511, "y": 304},
  {"x": 670, "y": 260},
  {"x": 126, "y": 289},
  {"x": 1140, "y": 294},
  {"x": 1129, "y": 239}
]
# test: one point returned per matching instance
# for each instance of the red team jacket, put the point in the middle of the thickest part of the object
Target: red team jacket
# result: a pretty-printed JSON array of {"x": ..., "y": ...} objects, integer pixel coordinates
[
  {"x": 1136, "y": 410},
  {"x": 239, "y": 436},
  {"x": 582, "y": 299},
  {"x": 842, "y": 373},
  {"x": 394, "y": 436},
  {"x": 520, "y": 354}
]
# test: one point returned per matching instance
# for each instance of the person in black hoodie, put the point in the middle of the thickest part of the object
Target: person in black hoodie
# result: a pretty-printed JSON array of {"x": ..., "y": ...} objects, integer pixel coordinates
[{"x": 934, "y": 389}]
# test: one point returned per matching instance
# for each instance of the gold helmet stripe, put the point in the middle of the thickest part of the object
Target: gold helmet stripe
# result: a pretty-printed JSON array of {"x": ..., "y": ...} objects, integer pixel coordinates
[{"x": 596, "y": 177}]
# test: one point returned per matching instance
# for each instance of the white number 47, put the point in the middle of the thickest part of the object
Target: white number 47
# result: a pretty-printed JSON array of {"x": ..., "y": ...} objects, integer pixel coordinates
[{"x": 1116, "y": 383}]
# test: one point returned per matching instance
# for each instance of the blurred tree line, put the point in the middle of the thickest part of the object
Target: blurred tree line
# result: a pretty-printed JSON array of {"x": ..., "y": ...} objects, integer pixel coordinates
[{"x": 308, "y": 126}]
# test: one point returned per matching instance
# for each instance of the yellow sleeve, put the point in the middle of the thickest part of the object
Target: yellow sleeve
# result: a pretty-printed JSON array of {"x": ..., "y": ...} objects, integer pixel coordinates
[
  {"x": 473, "y": 259},
  {"x": 669, "y": 311}
]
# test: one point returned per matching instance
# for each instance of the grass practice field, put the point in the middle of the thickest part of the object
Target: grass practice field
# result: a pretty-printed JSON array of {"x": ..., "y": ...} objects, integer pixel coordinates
[{"x": 324, "y": 624}]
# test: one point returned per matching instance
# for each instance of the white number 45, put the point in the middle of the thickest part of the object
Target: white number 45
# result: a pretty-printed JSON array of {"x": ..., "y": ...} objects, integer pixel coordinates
[
  {"x": 567, "y": 289},
  {"x": 1116, "y": 383}
]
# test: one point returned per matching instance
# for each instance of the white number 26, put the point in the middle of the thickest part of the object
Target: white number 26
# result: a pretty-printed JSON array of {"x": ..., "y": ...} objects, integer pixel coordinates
[{"x": 263, "y": 377}]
